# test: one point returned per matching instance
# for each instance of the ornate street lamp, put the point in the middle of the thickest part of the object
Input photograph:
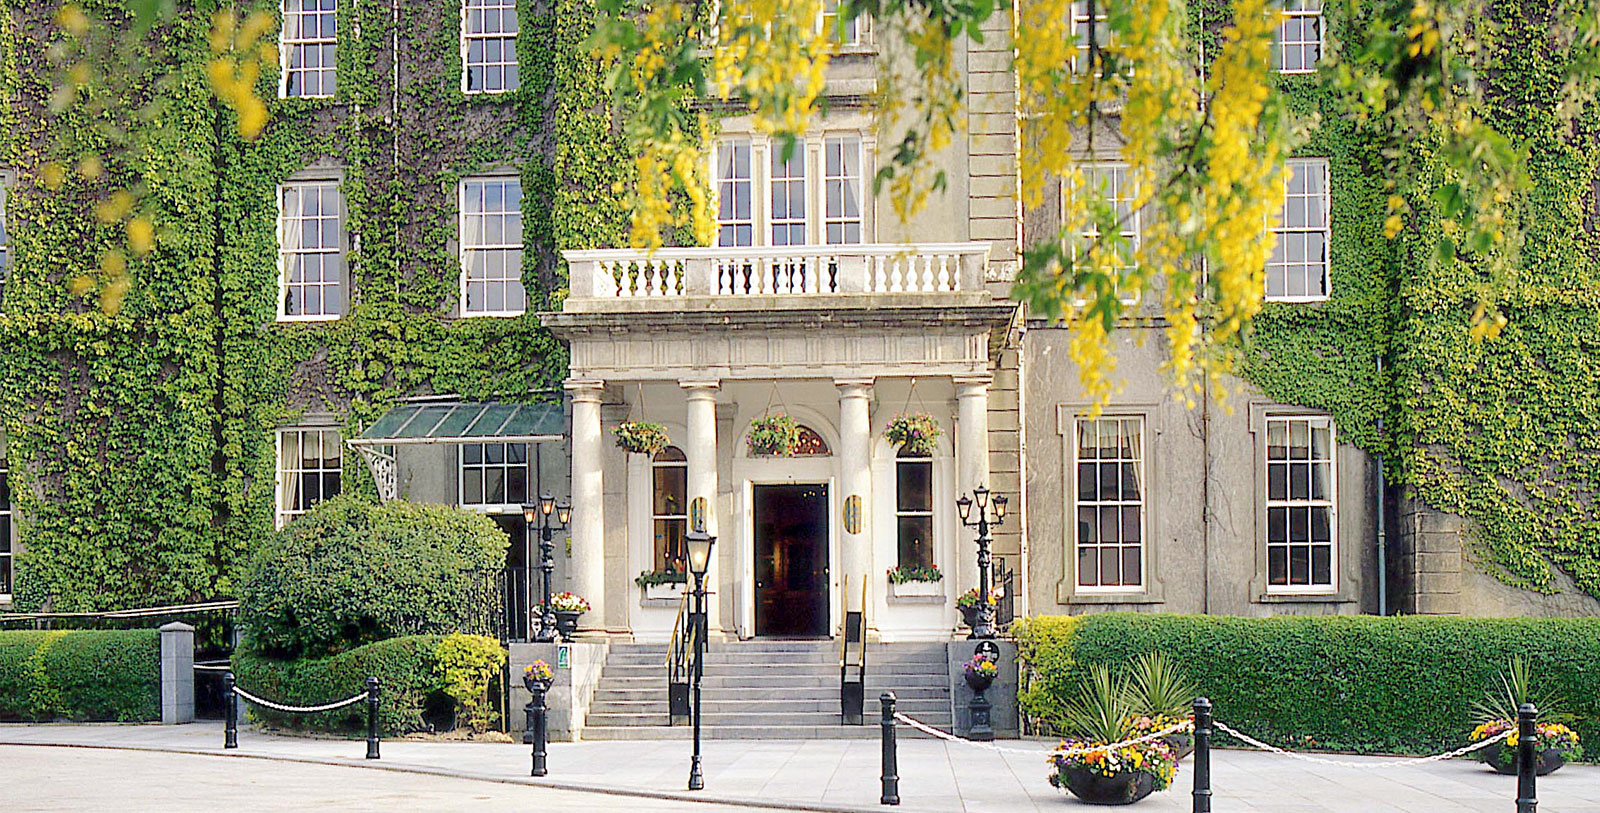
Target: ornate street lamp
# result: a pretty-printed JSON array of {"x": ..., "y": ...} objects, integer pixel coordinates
[
  {"x": 699, "y": 545},
  {"x": 984, "y": 628},
  {"x": 540, "y": 513}
]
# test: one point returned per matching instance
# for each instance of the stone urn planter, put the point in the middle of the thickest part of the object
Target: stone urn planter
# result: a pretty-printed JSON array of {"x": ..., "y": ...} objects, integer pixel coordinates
[
  {"x": 979, "y": 682},
  {"x": 969, "y": 616},
  {"x": 567, "y": 622},
  {"x": 1550, "y": 760},
  {"x": 1122, "y": 788}
]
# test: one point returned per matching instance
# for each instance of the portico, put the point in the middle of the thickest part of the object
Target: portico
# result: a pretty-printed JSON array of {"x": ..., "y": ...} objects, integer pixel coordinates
[{"x": 841, "y": 339}]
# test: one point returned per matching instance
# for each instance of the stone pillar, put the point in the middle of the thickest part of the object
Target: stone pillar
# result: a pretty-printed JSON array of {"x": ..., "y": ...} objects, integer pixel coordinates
[
  {"x": 700, "y": 448},
  {"x": 972, "y": 466},
  {"x": 855, "y": 480},
  {"x": 588, "y": 500},
  {"x": 177, "y": 673}
]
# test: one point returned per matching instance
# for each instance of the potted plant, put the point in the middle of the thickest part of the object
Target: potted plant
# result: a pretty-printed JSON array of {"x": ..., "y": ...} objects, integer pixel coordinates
[
  {"x": 967, "y": 603},
  {"x": 662, "y": 585},
  {"x": 1496, "y": 713},
  {"x": 567, "y": 607},
  {"x": 641, "y": 437},
  {"x": 1084, "y": 763},
  {"x": 538, "y": 676},
  {"x": 1159, "y": 694},
  {"x": 913, "y": 580},
  {"x": 773, "y": 435},
  {"x": 915, "y": 433},
  {"x": 980, "y": 672}
]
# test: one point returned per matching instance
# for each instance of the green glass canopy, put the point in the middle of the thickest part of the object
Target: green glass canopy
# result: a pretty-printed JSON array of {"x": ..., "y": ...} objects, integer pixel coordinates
[{"x": 465, "y": 423}]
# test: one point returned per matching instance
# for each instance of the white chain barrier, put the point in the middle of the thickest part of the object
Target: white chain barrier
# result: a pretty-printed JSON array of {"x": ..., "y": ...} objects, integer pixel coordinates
[
  {"x": 212, "y": 667},
  {"x": 1345, "y": 763},
  {"x": 948, "y": 737},
  {"x": 300, "y": 709}
]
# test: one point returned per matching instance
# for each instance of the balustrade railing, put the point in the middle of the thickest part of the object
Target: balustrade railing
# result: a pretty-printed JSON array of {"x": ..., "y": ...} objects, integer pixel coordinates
[{"x": 777, "y": 271}]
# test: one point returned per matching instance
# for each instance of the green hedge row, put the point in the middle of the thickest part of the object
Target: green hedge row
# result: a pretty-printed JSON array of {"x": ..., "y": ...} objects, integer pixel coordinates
[
  {"x": 80, "y": 675},
  {"x": 416, "y": 685},
  {"x": 1356, "y": 683}
]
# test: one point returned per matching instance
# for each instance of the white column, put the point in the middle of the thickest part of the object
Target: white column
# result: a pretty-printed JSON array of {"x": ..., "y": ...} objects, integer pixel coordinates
[
  {"x": 701, "y": 448},
  {"x": 588, "y": 500},
  {"x": 855, "y": 480},
  {"x": 972, "y": 465}
]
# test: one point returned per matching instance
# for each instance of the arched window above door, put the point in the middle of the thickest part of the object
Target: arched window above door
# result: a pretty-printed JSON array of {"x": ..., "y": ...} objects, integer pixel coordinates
[{"x": 810, "y": 444}]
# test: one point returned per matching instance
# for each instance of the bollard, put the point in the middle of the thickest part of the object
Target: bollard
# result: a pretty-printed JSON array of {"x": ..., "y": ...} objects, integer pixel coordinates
[
  {"x": 891, "y": 768},
  {"x": 1527, "y": 758},
  {"x": 1202, "y": 755},
  {"x": 537, "y": 703},
  {"x": 230, "y": 712},
  {"x": 373, "y": 689}
]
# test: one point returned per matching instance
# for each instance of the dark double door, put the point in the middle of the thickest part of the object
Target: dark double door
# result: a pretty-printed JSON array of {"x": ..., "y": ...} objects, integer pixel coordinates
[{"x": 791, "y": 541}]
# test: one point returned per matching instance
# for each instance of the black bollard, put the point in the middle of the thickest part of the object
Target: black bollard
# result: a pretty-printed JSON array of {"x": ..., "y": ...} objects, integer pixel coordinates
[
  {"x": 1527, "y": 758},
  {"x": 373, "y": 689},
  {"x": 230, "y": 712},
  {"x": 537, "y": 703},
  {"x": 891, "y": 767},
  {"x": 1202, "y": 755}
]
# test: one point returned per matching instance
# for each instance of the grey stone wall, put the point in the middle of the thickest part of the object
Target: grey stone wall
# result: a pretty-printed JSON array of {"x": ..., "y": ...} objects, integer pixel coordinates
[
  {"x": 177, "y": 673},
  {"x": 1002, "y": 694},
  {"x": 569, "y": 697}
]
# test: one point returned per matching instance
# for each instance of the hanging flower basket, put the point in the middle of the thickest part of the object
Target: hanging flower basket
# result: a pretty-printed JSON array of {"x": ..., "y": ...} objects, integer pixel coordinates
[
  {"x": 916, "y": 433},
  {"x": 641, "y": 437},
  {"x": 773, "y": 435}
]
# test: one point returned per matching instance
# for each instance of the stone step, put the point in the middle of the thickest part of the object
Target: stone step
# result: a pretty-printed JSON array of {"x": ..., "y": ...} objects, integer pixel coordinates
[
  {"x": 748, "y": 668},
  {"x": 932, "y": 661},
  {"x": 610, "y": 693},
  {"x": 769, "y": 719},
  {"x": 914, "y": 708},
  {"x": 684, "y": 732}
]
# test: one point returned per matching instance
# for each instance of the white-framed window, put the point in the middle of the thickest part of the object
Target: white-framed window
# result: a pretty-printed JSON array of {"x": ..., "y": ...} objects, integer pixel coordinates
[
  {"x": 489, "y": 46},
  {"x": 669, "y": 508},
  {"x": 1111, "y": 182},
  {"x": 1297, "y": 271},
  {"x": 310, "y": 469},
  {"x": 310, "y": 251},
  {"x": 5, "y": 232},
  {"x": 913, "y": 509},
  {"x": 491, "y": 247},
  {"x": 1109, "y": 504},
  {"x": 495, "y": 474},
  {"x": 735, "y": 203},
  {"x": 1301, "y": 521},
  {"x": 1080, "y": 30},
  {"x": 1299, "y": 41},
  {"x": 845, "y": 32},
  {"x": 7, "y": 557},
  {"x": 841, "y": 181},
  {"x": 306, "y": 51},
  {"x": 788, "y": 195}
]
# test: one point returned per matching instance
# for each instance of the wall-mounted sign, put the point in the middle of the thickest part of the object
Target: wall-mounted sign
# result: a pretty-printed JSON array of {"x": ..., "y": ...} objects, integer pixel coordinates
[
  {"x": 988, "y": 649},
  {"x": 852, "y": 514},
  {"x": 697, "y": 514},
  {"x": 564, "y": 657}
]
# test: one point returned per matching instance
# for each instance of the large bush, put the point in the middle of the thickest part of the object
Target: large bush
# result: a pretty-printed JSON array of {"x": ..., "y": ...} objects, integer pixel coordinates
[
  {"x": 80, "y": 675},
  {"x": 427, "y": 681},
  {"x": 1359, "y": 683},
  {"x": 351, "y": 571}
]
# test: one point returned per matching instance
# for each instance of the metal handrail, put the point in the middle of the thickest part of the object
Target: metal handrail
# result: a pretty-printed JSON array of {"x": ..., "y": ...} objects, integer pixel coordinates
[
  {"x": 680, "y": 642},
  {"x": 862, "y": 665}
]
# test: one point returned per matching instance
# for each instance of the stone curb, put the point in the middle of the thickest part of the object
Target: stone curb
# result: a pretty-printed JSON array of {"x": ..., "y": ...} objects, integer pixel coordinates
[{"x": 736, "y": 801}]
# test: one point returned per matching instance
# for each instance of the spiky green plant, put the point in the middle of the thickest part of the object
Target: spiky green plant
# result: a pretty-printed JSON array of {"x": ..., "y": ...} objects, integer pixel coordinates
[
  {"x": 1157, "y": 687},
  {"x": 1515, "y": 685},
  {"x": 1100, "y": 712}
]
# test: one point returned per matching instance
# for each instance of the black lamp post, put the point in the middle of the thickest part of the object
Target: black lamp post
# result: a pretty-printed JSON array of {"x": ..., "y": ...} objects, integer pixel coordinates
[
  {"x": 540, "y": 513},
  {"x": 984, "y": 628},
  {"x": 699, "y": 548}
]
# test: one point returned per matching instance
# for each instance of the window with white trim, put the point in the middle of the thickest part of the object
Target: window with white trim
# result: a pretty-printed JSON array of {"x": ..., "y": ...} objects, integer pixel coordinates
[
  {"x": 735, "y": 207},
  {"x": 489, "y": 46},
  {"x": 845, "y": 32},
  {"x": 306, "y": 51},
  {"x": 1109, "y": 503},
  {"x": 491, "y": 247},
  {"x": 913, "y": 509},
  {"x": 788, "y": 195},
  {"x": 6, "y": 553},
  {"x": 1297, "y": 271},
  {"x": 1080, "y": 31},
  {"x": 1110, "y": 182},
  {"x": 1299, "y": 40},
  {"x": 669, "y": 508},
  {"x": 310, "y": 251},
  {"x": 495, "y": 474},
  {"x": 5, "y": 233},
  {"x": 310, "y": 469},
  {"x": 841, "y": 181},
  {"x": 1301, "y": 548}
]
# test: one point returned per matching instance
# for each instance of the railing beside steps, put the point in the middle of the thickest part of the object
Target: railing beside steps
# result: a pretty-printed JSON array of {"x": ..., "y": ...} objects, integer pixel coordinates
[
  {"x": 852, "y": 693},
  {"x": 922, "y": 268}
]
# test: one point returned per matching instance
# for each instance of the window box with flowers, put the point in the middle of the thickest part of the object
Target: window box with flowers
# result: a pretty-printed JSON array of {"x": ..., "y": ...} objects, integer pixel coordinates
[
  {"x": 914, "y": 433},
  {"x": 909, "y": 581},
  {"x": 661, "y": 586}
]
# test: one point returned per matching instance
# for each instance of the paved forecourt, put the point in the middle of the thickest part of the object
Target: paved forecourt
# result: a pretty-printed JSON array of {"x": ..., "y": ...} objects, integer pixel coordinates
[{"x": 817, "y": 774}]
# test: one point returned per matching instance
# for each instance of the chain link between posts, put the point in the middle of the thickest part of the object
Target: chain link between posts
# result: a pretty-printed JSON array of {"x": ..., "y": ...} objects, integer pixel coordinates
[
  {"x": 1185, "y": 725},
  {"x": 349, "y": 701},
  {"x": 1345, "y": 763}
]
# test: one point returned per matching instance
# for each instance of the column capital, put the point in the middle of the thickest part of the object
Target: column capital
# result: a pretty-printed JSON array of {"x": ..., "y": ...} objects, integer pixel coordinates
[
  {"x": 972, "y": 385},
  {"x": 586, "y": 390},
  {"x": 700, "y": 386},
  {"x": 854, "y": 387}
]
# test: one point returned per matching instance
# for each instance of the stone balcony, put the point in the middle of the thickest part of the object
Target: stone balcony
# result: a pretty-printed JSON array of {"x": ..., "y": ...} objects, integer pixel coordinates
[{"x": 777, "y": 278}]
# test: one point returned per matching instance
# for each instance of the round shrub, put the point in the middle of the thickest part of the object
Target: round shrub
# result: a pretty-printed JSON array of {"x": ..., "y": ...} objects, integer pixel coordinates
[{"x": 351, "y": 572}]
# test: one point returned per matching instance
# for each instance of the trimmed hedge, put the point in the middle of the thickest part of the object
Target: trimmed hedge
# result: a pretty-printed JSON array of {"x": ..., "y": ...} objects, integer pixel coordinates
[
  {"x": 416, "y": 693},
  {"x": 1341, "y": 683},
  {"x": 82, "y": 675}
]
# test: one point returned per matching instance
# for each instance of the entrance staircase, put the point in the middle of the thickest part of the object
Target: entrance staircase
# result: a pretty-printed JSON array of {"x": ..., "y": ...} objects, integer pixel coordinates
[{"x": 767, "y": 689}]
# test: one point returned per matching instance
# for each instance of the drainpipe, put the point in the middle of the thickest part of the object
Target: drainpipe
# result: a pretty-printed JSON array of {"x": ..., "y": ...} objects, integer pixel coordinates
[
  {"x": 1383, "y": 529},
  {"x": 1205, "y": 495}
]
